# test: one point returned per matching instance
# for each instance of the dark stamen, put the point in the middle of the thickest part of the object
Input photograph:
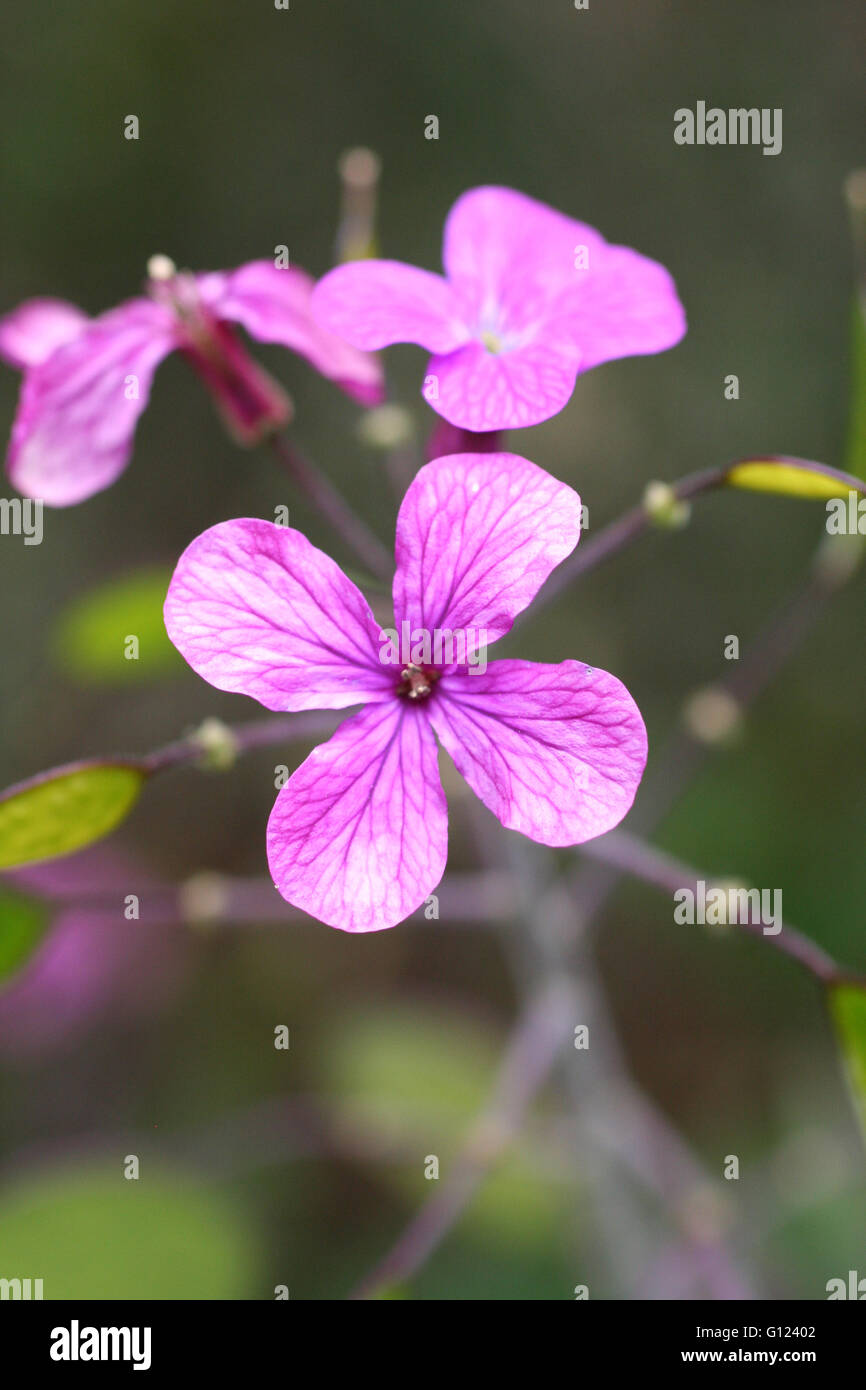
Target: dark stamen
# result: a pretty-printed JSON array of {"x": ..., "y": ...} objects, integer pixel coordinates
[{"x": 416, "y": 683}]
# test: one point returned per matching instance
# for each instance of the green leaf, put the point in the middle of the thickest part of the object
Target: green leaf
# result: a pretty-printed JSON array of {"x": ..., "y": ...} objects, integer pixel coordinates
[
  {"x": 22, "y": 926},
  {"x": 91, "y": 1233},
  {"x": 848, "y": 1009},
  {"x": 65, "y": 809},
  {"x": 91, "y": 641},
  {"x": 790, "y": 477}
]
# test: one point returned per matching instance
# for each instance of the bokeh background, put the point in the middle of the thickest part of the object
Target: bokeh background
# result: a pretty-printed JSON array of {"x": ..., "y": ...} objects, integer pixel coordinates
[{"x": 157, "y": 1040}]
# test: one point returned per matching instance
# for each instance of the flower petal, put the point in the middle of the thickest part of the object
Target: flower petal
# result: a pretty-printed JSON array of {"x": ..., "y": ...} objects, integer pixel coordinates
[
  {"x": 509, "y": 256},
  {"x": 480, "y": 390},
  {"x": 531, "y": 276},
  {"x": 556, "y": 752},
  {"x": 477, "y": 535},
  {"x": 31, "y": 332},
  {"x": 79, "y": 407},
  {"x": 358, "y": 837},
  {"x": 624, "y": 305},
  {"x": 375, "y": 303},
  {"x": 275, "y": 306},
  {"x": 256, "y": 609}
]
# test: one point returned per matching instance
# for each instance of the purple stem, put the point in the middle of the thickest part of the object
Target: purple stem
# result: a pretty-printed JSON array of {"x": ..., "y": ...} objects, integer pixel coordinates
[
  {"x": 632, "y": 856},
  {"x": 528, "y": 1060},
  {"x": 620, "y": 533},
  {"x": 334, "y": 507},
  {"x": 258, "y": 733},
  {"x": 636, "y": 522}
]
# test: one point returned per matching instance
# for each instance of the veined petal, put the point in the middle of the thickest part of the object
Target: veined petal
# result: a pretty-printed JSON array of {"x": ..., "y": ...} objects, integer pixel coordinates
[
  {"x": 480, "y": 390},
  {"x": 534, "y": 276},
  {"x": 556, "y": 752},
  {"x": 477, "y": 535},
  {"x": 36, "y": 328},
  {"x": 275, "y": 306},
  {"x": 509, "y": 256},
  {"x": 79, "y": 407},
  {"x": 624, "y": 305},
  {"x": 358, "y": 837},
  {"x": 256, "y": 609},
  {"x": 375, "y": 303}
]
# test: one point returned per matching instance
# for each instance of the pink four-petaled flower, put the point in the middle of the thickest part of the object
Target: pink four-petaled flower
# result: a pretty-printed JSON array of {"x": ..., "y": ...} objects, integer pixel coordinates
[
  {"x": 358, "y": 835},
  {"x": 529, "y": 299},
  {"x": 86, "y": 381}
]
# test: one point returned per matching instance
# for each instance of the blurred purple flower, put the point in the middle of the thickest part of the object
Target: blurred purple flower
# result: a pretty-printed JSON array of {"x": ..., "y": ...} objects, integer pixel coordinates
[
  {"x": 358, "y": 835},
  {"x": 529, "y": 299},
  {"x": 86, "y": 381},
  {"x": 92, "y": 962}
]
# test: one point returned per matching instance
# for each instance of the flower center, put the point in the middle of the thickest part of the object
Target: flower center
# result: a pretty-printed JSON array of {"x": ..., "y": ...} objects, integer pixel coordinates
[
  {"x": 491, "y": 341},
  {"x": 416, "y": 682},
  {"x": 251, "y": 403}
]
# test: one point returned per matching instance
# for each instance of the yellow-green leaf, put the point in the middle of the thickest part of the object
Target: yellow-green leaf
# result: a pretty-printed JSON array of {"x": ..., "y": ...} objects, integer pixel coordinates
[
  {"x": 790, "y": 477},
  {"x": 65, "y": 809},
  {"x": 116, "y": 633},
  {"x": 848, "y": 1007}
]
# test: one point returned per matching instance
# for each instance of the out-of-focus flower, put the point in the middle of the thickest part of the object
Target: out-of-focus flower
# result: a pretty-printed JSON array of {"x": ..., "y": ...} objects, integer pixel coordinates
[
  {"x": 529, "y": 299},
  {"x": 94, "y": 961},
  {"x": 358, "y": 835},
  {"x": 86, "y": 381}
]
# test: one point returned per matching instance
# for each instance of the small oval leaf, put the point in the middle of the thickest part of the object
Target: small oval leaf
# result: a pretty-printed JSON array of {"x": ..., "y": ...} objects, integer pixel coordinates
[
  {"x": 790, "y": 477},
  {"x": 65, "y": 809}
]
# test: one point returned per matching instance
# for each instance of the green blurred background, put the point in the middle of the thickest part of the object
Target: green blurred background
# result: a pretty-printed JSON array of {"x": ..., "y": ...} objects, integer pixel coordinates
[{"x": 244, "y": 111}]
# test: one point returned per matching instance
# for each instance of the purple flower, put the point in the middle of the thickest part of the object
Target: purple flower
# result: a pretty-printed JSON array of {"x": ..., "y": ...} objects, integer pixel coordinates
[
  {"x": 93, "y": 964},
  {"x": 358, "y": 835},
  {"x": 86, "y": 381},
  {"x": 529, "y": 299}
]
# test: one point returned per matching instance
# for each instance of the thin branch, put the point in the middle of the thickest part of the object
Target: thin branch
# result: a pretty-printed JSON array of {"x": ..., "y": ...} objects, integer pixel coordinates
[
  {"x": 239, "y": 738},
  {"x": 621, "y": 533},
  {"x": 334, "y": 507},
  {"x": 528, "y": 1060},
  {"x": 211, "y": 899},
  {"x": 605, "y": 1098},
  {"x": 633, "y": 856},
  {"x": 639, "y": 520}
]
